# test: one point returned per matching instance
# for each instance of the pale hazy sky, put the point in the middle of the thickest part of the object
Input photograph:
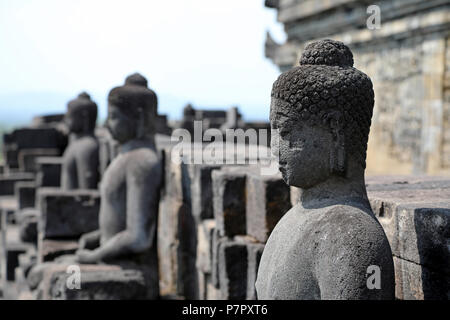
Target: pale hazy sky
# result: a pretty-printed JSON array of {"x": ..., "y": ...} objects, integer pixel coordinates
[{"x": 209, "y": 52}]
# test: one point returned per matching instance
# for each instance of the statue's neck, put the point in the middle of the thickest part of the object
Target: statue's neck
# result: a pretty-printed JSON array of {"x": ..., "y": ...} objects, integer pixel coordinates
[{"x": 335, "y": 190}]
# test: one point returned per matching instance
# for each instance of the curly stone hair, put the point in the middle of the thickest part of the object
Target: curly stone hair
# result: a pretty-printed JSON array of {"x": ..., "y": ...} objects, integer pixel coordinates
[
  {"x": 84, "y": 103},
  {"x": 327, "y": 87}
]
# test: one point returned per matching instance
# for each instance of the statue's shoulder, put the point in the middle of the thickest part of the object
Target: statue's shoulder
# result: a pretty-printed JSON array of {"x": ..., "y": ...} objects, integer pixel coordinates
[
  {"x": 351, "y": 225},
  {"x": 144, "y": 161},
  {"x": 88, "y": 143}
]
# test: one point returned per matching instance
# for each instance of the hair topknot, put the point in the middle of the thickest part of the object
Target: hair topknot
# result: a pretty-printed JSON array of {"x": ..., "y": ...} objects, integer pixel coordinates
[
  {"x": 84, "y": 95},
  {"x": 136, "y": 79},
  {"x": 327, "y": 52}
]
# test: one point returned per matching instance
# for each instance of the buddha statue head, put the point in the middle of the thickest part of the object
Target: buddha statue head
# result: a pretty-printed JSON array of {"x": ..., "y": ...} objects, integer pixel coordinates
[
  {"x": 321, "y": 113},
  {"x": 81, "y": 115},
  {"x": 132, "y": 110}
]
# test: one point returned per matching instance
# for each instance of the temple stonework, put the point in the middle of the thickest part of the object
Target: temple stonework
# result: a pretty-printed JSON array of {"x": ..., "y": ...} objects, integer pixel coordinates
[{"x": 408, "y": 60}]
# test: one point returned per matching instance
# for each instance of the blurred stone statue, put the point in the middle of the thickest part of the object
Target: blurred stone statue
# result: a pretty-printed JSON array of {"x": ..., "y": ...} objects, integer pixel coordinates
[
  {"x": 330, "y": 245},
  {"x": 80, "y": 168},
  {"x": 129, "y": 189}
]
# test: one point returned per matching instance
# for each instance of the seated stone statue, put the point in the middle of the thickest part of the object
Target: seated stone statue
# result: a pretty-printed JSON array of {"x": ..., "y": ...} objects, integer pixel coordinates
[
  {"x": 129, "y": 189},
  {"x": 330, "y": 245},
  {"x": 80, "y": 169}
]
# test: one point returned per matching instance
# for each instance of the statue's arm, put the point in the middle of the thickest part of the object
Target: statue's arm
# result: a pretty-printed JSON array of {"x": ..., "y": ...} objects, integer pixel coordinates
[
  {"x": 142, "y": 195},
  {"x": 347, "y": 269},
  {"x": 90, "y": 240}
]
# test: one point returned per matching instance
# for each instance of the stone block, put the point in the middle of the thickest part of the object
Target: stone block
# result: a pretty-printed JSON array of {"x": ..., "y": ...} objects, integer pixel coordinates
[
  {"x": 229, "y": 201},
  {"x": 216, "y": 242},
  {"x": 201, "y": 285},
  {"x": 268, "y": 199},
  {"x": 212, "y": 293},
  {"x": 49, "y": 171},
  {"x": 204, "y": 249},
  {"x": 101, "y": 285},
  {"x": 201, "y": 191},
  {"x": 37, "y": 138},
  {"x": 27, "y": 158},
  {"x": 25, "y": 193},
  {"x": 67, "y": 214},
  {"x": 49, "y": 250},
  {"x": 13, "y": 250},
  {"x": 177, "y": 234},
  {"x": 417, "y": 282},
  {"x": 27, "y": 220},
  {"x": 27, "y": 260},
  {"x": 254, "y": 251},
  {"x": 233, "y": 270},
  {"x": 8, "y": 182},
  {"x": 39, "y": 121},
  {"x": 97, "y": 282},
  {"x": 417, "y": 224}
]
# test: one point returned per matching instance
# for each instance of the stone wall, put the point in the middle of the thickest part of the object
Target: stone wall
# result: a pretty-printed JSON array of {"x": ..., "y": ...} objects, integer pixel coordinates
[{"x": 407, "y": 60}]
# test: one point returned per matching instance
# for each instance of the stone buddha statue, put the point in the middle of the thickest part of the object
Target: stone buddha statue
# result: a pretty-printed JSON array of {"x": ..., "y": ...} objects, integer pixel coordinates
[
  {"x": 330, "y": 245},
  {"x": 80, "y": 168},
  {"x": 129, "y": 189}
]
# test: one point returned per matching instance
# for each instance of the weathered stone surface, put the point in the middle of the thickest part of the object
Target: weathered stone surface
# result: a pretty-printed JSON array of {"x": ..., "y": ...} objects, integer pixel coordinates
[
  {"x": 216, "y": 242},
  {"x": 98, "y": 282},
  {"x": 27, "y": 260},
  {"x": 204, "y": 245},
  {"x": 49, "y": 171},
  {"x": 201, "y": 191},
  {"x": 416, "y": 222},
  {"x": 101, "y": 285},
  {"x": 268, "y": 199},
  {"x": 49, "y": 250},
  {"x": 254, "y": 252},
  {"x": 27, "y": 219},
  {"x": 233, "y": 270},
  {"x": 41, "y": 120},
  {"x": 212, "y": 293},
  {"x": 13, "y": 250},
  {"x": 407, "y": 59},
  {"x": 67, "y": 214},
  {"x": 46, "y": 137},
  {"x": 8, "y": 182},
  {"x": 177, "y": 234},
  {"x": 36, "y": 138},
  {"x": 25, "y": 193},
  {"x": 417, "y": 282},
  {"x": 229, "y": 201},
  {"x": 28, "y": 158}
]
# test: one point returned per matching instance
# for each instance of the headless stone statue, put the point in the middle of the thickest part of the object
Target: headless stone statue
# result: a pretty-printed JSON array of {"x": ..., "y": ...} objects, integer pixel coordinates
[
  {"x": 80, "y": 168},
  {"x": 330, "y": 245},
  {"x": 129, "y": 189}
]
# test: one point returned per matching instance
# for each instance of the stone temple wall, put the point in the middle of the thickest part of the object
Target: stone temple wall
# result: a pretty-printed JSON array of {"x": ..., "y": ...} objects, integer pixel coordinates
[{"x": 408, "y": 62}]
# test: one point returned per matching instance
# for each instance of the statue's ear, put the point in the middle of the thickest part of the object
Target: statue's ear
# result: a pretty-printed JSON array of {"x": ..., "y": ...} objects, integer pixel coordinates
[{"x": 338, "y": 160}]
